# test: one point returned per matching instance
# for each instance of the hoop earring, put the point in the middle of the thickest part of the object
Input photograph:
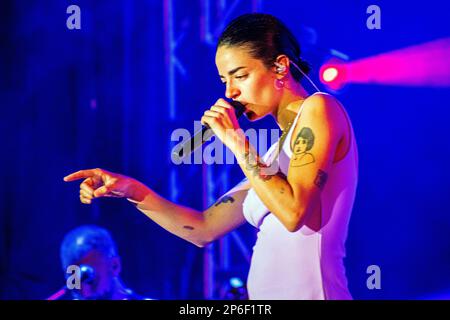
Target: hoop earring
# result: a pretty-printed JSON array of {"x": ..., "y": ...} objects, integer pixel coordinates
[{"x": 279, "y": 84}]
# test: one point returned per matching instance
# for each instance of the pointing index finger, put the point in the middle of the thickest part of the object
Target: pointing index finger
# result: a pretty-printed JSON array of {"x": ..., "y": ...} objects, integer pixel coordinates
[{"x": 82, "y": 174}]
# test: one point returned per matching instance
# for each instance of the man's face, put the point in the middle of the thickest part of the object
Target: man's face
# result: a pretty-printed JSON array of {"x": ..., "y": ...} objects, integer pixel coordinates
[{"x": 105, "y": 269}]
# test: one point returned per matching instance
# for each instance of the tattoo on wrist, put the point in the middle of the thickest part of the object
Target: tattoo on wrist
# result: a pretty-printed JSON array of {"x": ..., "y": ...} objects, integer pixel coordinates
[
  {"x": 188, "y": 227},
  {"x": 257, "y": 168},
  {"x": 321, "y": 179}
]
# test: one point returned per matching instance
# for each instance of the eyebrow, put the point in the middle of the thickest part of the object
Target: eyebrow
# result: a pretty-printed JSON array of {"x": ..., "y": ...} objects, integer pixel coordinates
[{"x": 231, "y": 72}]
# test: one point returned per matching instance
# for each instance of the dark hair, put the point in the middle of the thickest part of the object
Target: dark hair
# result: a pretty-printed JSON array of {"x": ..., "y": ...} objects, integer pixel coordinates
[
  {"x": 307, "y": 134},
  {"x": 266, "y": 37},
  {"x": 80, "y": 241}
]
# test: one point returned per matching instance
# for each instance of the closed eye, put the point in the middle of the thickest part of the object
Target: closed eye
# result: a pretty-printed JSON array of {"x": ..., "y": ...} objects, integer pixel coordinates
[{"x": 241, "y": 77}]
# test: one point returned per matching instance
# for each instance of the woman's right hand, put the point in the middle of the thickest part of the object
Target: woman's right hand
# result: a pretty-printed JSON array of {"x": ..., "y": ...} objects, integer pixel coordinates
[{"x": 101, "y": 183}]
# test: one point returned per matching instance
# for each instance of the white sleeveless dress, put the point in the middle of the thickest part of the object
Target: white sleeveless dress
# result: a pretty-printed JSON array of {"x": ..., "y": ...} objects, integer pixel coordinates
[{"x": 305, "y": 264}]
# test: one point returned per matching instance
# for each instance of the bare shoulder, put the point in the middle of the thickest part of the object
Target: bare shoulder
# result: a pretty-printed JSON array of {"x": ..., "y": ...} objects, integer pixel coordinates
[
  {"x": 321, "y": 103},
  {"x": 321, "y": 110}
]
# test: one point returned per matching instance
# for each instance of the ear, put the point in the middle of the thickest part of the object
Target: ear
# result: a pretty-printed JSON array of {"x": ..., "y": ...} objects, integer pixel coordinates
[
  {"x": 116, "y": 266},
  {"x": 282, "y": 65}
]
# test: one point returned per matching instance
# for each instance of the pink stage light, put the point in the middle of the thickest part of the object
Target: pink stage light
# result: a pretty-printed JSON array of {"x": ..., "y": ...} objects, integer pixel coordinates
[
  {"x": 424, "y": 65},
  {"x": 333, "y": 74}
]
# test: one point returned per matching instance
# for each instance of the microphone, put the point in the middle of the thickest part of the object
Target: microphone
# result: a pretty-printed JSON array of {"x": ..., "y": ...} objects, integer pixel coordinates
[
  {"x": 201, "y": 136},
  {"x": 87, "y": 274}
]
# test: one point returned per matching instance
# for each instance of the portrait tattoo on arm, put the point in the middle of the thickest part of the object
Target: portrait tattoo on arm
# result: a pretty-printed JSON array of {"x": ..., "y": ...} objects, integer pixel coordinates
[
  {"x": 303, "y": 143},
  {"x": 321, "y": 179}
]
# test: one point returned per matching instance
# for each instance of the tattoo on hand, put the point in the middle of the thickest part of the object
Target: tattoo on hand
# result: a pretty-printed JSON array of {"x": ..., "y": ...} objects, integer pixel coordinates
[
  {"x": 321, "y": 179},
  {"x": 225, "y": 199},
  {"x": 303, "y": 143}
]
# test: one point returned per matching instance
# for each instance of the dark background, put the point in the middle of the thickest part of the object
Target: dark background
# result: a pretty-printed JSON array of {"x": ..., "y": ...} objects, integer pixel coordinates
[{"x": 99, "y": 97}]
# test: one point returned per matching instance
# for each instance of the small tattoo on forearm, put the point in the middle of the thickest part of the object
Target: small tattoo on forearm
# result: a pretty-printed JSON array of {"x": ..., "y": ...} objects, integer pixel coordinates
[
  {"x": 188, "y": 227},
  {"x": 282, "y": 190},
  {"x": 225, "y": 199},
  {"x": 321, "y": 179}
]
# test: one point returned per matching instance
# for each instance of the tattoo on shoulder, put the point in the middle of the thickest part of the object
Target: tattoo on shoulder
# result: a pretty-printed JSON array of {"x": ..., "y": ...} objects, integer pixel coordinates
[
  {"x": 224, "y": 199},
  {"x": 188, "y": 227},
  {"x": 302, "y": 145},
  {"x": 321, "y": 179}
]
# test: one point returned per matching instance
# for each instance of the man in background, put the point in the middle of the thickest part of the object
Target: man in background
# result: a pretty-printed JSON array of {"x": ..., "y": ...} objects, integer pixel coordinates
[{"x": 94, "y": 251}]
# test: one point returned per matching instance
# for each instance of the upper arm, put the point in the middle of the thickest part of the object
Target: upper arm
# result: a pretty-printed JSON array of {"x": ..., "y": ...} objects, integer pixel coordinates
[
  {"x": 314, "y": 143},
  {"x": 226, "y": 214}
]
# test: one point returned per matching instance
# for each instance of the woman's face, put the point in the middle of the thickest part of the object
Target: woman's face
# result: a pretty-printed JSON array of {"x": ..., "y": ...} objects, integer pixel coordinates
[
  {"x": 248, "y": 81},
  {"x": 300, "y": 145}
]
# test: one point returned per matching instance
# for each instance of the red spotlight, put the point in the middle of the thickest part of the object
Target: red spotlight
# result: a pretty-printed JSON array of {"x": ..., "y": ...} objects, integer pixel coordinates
[
  {"x": 333, "y": 74},
  {"x": 329, "y": 74}
]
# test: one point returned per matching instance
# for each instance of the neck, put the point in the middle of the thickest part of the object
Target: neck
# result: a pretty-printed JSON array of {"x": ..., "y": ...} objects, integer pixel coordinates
[{"x": 289, "y": 105}]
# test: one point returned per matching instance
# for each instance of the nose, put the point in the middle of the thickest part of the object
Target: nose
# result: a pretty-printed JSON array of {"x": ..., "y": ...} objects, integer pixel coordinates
[{"x": 231, "y": 91}]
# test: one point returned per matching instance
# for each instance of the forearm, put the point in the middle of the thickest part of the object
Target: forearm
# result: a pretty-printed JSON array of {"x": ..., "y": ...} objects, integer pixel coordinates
[
  {"x": 186, "y": 223},
  {"x": 269, "y": 184}
]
